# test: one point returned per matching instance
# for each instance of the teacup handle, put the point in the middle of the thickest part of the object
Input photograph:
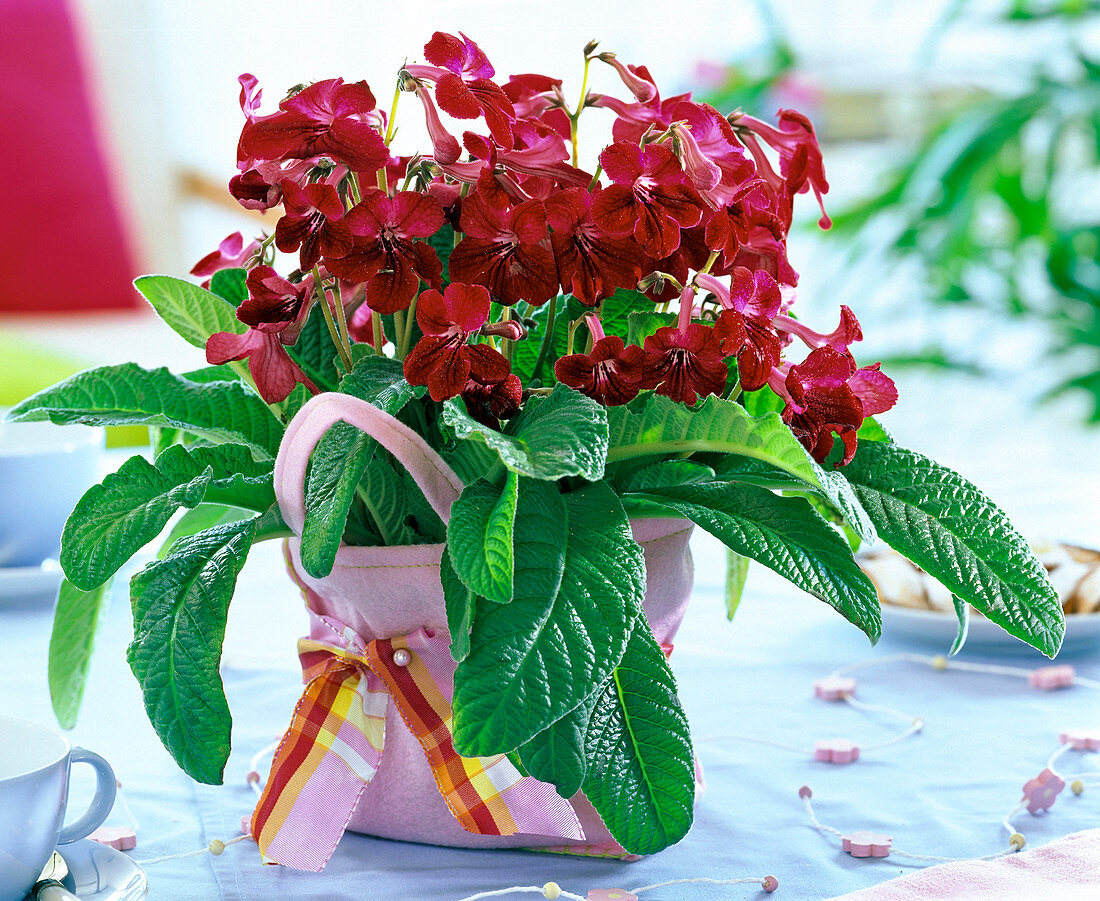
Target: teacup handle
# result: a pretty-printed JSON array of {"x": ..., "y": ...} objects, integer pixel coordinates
[{"x": 103, "y": 801}]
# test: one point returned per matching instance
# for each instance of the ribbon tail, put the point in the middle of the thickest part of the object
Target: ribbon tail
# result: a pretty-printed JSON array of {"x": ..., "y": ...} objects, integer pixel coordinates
[
  {"x": 486, "y": 795},
  {"x": 326, "y": 759}
]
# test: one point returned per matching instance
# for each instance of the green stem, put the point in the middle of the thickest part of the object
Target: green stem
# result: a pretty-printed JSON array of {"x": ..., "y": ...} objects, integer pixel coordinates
[
  {"x": 575, "y": 116},
  {"x": 547, "y": 339},
  {"x": 391, "y": 128},
  {"x": 333, "y": 329},
  {"x": 403, "y": 348},
  {"x": 376, "y": 327},
  {"x": 595, "y": 178},
  {"x": 387, "y": 538}
]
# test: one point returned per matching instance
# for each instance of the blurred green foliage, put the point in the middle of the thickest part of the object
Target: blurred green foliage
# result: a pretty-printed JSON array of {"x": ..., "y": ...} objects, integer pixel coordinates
[{"x": 1000, "y": 203}]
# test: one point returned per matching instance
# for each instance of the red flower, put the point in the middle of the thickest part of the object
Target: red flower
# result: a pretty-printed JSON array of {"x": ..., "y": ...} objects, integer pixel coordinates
[
  {"x": 685, "y": 360},
  {"x": 385, "y": 256},
  {"x": 745, "y": 324},
  {"x": 504, "y": 250},
  {"x": 275, "y": 305},
  {"x": 463, "y": 88},
  {"x": 274, "y": 373},
  {"x": 635, "y": 119},
  {"x": 611, "y": 374},
  {"x": 748, "y": 206},
  {"x": 489, "y": 403},
  {"x": 314, "y": 222},
  {"x": 799, "y": 154},
  {"x": 847, "y": 331},
  {"x": 533, "y": 97},
  {"x": 591, "y": 263},
  {"x": 327, "y": 118},
  {"x": 444, "y": 144},
  {"x": 442, "y": 359},
  {"x": 648, "y": 197},
  {"x": 231, "y": 253},
  {"x": 822, "y": 403},
  {"x": 713, "y": 157}
]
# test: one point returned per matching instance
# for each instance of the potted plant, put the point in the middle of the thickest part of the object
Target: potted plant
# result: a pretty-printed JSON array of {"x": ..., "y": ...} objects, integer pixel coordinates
[{"x": 484, "y": 406}]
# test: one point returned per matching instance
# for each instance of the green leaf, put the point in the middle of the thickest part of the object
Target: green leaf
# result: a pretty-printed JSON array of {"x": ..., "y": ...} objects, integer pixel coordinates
[
  {"x": 479, "y": 538},
  {"x": 872, "y": 430},
  {"x": 556, "y": 754},
  {"x": 202, "y": 517},
  {"x": 126, "y": 394},
  {"x": 737, "y": 570},
  {"x": 660, "y": 426},
  {"x": 381, "y": 381},
  {"x": 193, "y": 312},
  {"x": 955, "y": 533},
  {"x": 786, "y": 535},
  {"x": 640, "y": 325},
  {"x": 564, "y": 434},
  {"x": 830, "y": 485},
  {"x": 460, "y": 603},
  {"x": 180, "y": 605},
  {"x": 962, "y": 613},
  {"x": 640, "y": 770},
  {"x": 664, "y": 473},
  {"x": 534, "y": 660},
  {"x": 230, "y": 285},
  {"x": 115, "y": 519},
  {"x": 443, "y": 242},
  {"x": 387, "y": 498},
  {"x": 525, "y": 352},
  {"x": 315, "y": 353},
  {"x": 338, "y": 463},
  {"x": 75, "y": 623},
  {"x": 471, "y": 460}
]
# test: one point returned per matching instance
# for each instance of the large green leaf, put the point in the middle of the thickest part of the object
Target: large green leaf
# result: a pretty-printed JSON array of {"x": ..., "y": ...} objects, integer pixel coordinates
[
  {"x": 180, "y": 605},
  {"x": 75, "y": 623},
  {"x": 443, "y": 242},
  {"x": 193, "y": 312},
  {"x": 657, "y": 425},
  {"x": 556, "y": 754},
  {"x": 737, "y": 571},
  {"x": 231, "y": 285},
  {"x": 115, "y": 519},
  {"x": 954, "y": 532},
  {"x": 381, "y": 382},
  {"x": 564, "y": 434},
  {"x": 534, "y": 660},
  {"x": 338, "y": 463},
  {"x": 204, "y": 516},
  {"x": 126, "y": 394},
  {"x": 640, "y": 771},
  {"x": 479, "y": 537},
  {"x": 460, "y": 603},
  {"x": 783, "y": 533}
]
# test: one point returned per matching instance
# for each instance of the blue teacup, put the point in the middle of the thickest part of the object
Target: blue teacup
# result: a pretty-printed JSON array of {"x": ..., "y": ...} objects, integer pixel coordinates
[{"x": 34, "y": 790}]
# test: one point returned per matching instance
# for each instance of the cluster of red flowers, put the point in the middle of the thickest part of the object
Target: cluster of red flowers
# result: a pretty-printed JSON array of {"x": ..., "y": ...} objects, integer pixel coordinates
[{"x": 686, "y": 204}]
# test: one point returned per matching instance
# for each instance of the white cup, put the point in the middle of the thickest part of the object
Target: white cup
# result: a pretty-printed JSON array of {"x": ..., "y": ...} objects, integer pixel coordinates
[
  {"x": 44, "y": 470},
  {"x": 34, "y": 791}
]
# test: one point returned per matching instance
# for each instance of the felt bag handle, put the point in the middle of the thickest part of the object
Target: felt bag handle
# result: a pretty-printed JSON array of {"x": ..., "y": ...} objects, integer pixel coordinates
[{"x": 430, "y": 471}]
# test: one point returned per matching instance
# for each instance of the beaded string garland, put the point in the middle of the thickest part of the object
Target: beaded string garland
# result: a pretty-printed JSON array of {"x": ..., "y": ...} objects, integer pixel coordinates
[{"x": 839, "y": 686}]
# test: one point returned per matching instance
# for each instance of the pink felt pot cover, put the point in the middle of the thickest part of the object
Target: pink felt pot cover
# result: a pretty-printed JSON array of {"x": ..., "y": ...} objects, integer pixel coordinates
[{"x": 382, "y": 592}]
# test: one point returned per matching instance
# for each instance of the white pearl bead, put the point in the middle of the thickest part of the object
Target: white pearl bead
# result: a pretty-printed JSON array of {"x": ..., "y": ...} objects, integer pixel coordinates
[{"x": 401, "y": 657}]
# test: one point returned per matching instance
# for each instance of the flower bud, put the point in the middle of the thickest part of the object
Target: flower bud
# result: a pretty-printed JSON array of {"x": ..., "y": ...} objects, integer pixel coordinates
[
  {"x": 590, "y": 47},
  {"x": 405, "y": 82},
  {"x": 510, "y": 329}
]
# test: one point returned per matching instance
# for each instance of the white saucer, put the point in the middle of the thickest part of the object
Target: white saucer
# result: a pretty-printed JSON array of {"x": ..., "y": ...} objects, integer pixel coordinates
[
  {"x": 100, "y": 873},
  {"x": 20, "y": 584}
]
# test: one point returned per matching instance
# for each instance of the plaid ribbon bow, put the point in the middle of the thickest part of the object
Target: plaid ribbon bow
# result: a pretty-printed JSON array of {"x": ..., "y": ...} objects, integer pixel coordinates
[{"x": 336, "y": 738}]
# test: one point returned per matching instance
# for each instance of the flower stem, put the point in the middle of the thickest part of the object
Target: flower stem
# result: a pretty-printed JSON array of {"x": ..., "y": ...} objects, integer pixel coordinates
[
  {"x": 403, "y": 348},
  {"x": 391, "y": 127},
  {"x": 595, "y": 178},
  {"x": 398, "y": 328},
  {"x": 508, "y": 346},
  {"x": 333, "y": 329},
  {"x": 576, "y": 114},
  {"x": 548, "y": 338},
  {"x": 342, "y": 325},
  {"x": 376, "y": 327}
]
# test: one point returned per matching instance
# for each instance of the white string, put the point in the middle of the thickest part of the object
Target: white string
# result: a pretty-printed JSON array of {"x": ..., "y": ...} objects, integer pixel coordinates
[
  {"x": 121, "y": 799},
  {"x": 206, "y": 850},
  {"x": 1054, "y": 758},
  {"x": 699, "y": 880},
  {"x": 880, "y": 661},
  {"x": 918, "y": 725},
  {"x": 523, "y": 890},
  {"x": 878, "y": 708},
  {"x": 991, "y": 669},
  {"x": 1086, "y": 683},
  {"x": 1007, "y": 821},
  {"x": 254, "y": 767},
  {"x": 758, "y": 741}
]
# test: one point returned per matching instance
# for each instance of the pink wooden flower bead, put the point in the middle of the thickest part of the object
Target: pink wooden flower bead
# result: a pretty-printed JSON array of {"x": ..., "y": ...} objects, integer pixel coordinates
[
  {"x": 866, "y": 844},
  {"x": 1047, "y": 678},
  {"x": 1040, "y": 792},
  {"x": 121, "y": 838},
  {"x": 834, "y": 688},
  {"x": 836, "y": 750},
  {"x": 610, "y": 894},
  {"x": 1081, "y": 741}
]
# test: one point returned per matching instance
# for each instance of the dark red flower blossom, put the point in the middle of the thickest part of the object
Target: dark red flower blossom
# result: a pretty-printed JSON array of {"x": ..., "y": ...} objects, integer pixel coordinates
[
  {"x": 384, "y": 255},
  {"x": 274, "y": 304},
  {"x": 536, "y": 97},
  {"x": 253, "y": 191},
  {"x": 748, "y": 207},
  {"x": 799, "y": 154},
  {"x": 635, "y": 119},
  {"x": 314, "y": 222},
  {"x": 232, "y": 252},
  {"x": 745, "y": 324},
  {"x": 648, "y": 198},
  {"x": 686, "y": 360},
  {"x": 274, "y": 373},
  {"x": 463, "y": 86},
  {"x": 713, "y": 157},
  {"x": 612, "y": 373},
  {"x": 823, "y": 403},
  {"x": 591, "y": 263},
  {"x": 690, "y": 255},
  {"x": 847, "y": 331},
  {"x": 442, "y": 359},
  {"x": 327, "y": 118},
  {"x": 504, "y": 250},
  {"x": 444, "y": 144},
  {"x": 489, "y": 403}
]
